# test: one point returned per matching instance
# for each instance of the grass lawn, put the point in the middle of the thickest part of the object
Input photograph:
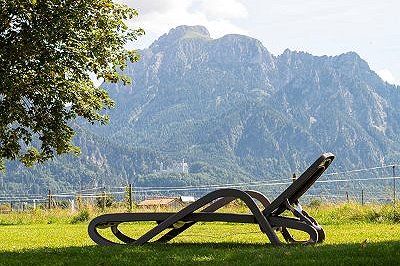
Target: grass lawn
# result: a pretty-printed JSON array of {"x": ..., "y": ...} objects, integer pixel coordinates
[{"x": 203, "y": 244}]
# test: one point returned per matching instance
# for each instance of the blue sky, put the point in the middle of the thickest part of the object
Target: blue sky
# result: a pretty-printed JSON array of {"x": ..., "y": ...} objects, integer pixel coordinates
[{"x": 321, "y": 27}]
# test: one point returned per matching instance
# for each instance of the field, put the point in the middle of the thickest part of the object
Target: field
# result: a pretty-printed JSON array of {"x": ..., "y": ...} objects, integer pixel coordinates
[{"x": 356, "y": 235}]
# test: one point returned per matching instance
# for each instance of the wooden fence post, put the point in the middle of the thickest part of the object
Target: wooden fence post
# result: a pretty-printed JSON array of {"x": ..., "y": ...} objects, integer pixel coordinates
[
  {"x": 362, "y": 196},
  {"x": 394, "y": 186},
  {"x": 49, "y": 200},
  {"x": 130, "y": 196},
  {"x": 104, "y": 200}
]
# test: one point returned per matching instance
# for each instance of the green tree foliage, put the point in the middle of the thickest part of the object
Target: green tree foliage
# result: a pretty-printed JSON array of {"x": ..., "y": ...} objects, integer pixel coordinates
[{"x": 48, "y": 49}]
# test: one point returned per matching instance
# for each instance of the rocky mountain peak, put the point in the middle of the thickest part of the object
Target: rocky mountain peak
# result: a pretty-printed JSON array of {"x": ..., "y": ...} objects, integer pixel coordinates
[
  {"x": 179, "y": 33},
  {"x": 352, "y": 63},
  {"x": 235, "y": 49}
]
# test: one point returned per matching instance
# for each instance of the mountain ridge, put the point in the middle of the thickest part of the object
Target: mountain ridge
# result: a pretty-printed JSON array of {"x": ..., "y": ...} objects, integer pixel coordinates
[{"x": 235, "y": 112}]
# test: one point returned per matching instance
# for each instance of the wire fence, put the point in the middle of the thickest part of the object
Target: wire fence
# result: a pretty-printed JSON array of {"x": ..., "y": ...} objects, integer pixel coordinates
[{"x": 368, "y": 185}]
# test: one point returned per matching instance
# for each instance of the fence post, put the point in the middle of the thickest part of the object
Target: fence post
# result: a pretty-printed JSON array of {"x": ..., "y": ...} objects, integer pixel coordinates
[
  {"x": 49, "y": 200},
  {"x": 104, "y": 200},
  {"x": 347, "y": 197},
  {"x": 72, "y": 205},
  {"x": 394, "y": 186},
  {"x": 362, "y": 196},
  {"x": 130, "y": 196}
]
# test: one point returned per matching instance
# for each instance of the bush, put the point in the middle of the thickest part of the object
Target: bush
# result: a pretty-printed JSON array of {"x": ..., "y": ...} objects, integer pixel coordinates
[
  {"x": 315, "y": 203},
  {"x": 82, "y": 216}
]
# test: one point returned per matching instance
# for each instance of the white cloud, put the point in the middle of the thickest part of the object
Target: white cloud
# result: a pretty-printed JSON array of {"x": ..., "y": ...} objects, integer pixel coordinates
[
  {"x": 223, "y": 9},
  {"x": 387, "y": 76},
  {"x": 157, "y": 17}
]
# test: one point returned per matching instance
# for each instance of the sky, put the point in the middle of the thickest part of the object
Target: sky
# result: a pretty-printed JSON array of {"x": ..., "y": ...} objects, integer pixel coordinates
[{"x": 320, "y": 27}]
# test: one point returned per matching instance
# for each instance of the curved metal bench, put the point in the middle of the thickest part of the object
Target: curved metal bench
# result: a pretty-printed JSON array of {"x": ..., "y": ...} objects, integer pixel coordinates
[{"x": 270, "y": 219}]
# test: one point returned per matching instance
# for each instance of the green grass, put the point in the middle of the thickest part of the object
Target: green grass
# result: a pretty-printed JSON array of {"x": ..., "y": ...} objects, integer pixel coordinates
[
  {"x": 353, "y": 237},
  {"x": 324, "y": 214}
]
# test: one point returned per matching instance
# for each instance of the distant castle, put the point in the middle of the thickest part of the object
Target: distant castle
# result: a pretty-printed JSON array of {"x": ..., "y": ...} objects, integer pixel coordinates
[{"x": 178, "y": 168}]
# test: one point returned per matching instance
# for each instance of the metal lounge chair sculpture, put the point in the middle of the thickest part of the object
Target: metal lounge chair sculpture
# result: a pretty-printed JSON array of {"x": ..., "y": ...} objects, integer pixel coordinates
[{"x": 270, "y": 219}]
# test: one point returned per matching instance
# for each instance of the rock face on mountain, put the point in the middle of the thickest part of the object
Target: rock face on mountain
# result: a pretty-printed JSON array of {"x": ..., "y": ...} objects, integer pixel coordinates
[{"x": 235, "y": 112}]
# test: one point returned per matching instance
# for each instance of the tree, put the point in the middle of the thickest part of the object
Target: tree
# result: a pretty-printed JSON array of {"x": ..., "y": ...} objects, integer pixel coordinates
[{"x": 48, "y": 50}]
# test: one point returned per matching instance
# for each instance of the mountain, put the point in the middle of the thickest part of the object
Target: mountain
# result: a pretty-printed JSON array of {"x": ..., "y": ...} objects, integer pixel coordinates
[{"x": 234, "y": 112}]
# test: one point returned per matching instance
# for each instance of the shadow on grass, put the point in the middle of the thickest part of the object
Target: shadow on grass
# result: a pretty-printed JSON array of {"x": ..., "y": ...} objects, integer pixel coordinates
[{"x": 383, "y": 253}]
